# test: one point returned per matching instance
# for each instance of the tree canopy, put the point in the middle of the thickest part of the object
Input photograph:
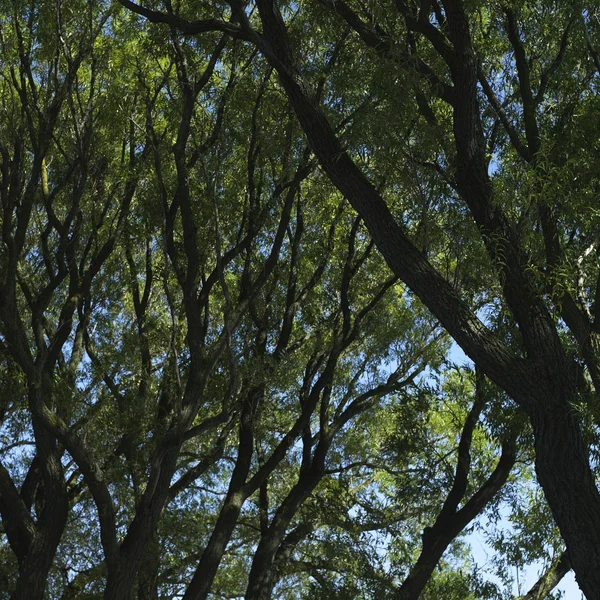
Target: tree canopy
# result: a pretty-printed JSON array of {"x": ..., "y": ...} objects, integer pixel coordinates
[{"x": 240, "y": 244}]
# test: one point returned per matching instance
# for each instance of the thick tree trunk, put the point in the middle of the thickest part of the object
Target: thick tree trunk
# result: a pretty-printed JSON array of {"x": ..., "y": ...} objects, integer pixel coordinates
[
  {"x": 562, "y": 467},
  {"x": 33, "y": 574},
  {"x": 34, "y": 568},
  {"x": 148, "y": 577},
  {"x": 143, "y": 527}
]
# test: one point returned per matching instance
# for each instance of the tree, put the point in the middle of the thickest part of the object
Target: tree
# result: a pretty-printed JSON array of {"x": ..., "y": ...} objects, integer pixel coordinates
[
  {"x": 448, "y": 46},
  {"x": 212, "y": 384}
]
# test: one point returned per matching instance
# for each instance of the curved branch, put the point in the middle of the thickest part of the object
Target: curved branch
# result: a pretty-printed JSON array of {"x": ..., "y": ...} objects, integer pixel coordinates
[{"x": 183, "y": 25}]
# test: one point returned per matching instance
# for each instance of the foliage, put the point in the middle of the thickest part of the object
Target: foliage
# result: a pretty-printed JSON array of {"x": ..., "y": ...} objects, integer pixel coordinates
[{"x": 218, "y": 377}]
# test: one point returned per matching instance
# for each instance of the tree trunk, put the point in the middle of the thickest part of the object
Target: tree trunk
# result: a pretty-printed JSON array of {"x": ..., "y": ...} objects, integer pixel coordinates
[
  {"x": 261, "y": 579},
  {"x": 148, "y": 577},
  {"x": 213, "y": 553},
  {"x": 562, "y": 467},
  {"x": 33, "y": 574},
  {"x": 34, "y": 569},
  {"x": 143, "y": 527}
]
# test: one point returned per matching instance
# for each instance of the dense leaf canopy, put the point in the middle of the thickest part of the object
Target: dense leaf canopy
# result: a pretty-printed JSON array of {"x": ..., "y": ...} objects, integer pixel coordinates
[{"x": 240, "y": 247}]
